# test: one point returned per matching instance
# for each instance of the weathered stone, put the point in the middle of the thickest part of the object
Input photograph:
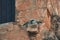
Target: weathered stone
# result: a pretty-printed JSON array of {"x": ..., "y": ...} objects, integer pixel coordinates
[{"x": 26, "y": 10}]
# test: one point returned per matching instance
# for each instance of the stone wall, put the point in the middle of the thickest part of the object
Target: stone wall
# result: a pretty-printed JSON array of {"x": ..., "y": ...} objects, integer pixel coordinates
[{"x": 31, "y": 9}]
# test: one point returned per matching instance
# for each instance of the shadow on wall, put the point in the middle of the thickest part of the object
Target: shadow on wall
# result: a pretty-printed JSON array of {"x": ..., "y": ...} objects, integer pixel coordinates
[{"x": 7, "y": 11}]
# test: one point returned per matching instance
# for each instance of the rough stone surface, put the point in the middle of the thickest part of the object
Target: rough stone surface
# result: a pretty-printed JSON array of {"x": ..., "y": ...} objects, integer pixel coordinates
[
  {"x": 12, "y": 32},
  {"x": 41, "y": 10}
]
